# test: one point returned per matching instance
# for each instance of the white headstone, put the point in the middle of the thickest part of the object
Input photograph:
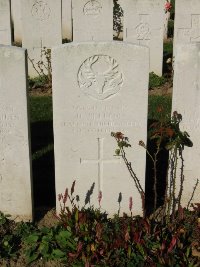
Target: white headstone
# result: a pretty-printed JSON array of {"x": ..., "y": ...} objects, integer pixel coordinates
[
  {"x": 92, "y": 20},
  {"x": 15, "y": 162},
  {"x": 41, "y": 27},
  {"x": 143, "y": 25},
  {"x": 187, "y": 22},
  {"x": 5, "y": 22},
  {"x": 186, "y": 101},
  {"x": 17, "y": 20},
  {"x": 99, "y": 88},
  {"x": 67, "y": 19}
]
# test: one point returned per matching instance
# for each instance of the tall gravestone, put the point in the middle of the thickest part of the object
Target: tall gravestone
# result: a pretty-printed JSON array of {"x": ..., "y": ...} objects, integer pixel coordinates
[
  {"x": 15, "y": 162},
  {"x": 187, "y": 22},
  {"x": 92, "y": 20},
  {"x": 5, "y": 22},
  {"x": 41, "y": 28},
  {"x": 99, "y": 88},
  {"x": 67, "y": 19},
  {"x": 143, "y": 25},
  {"x": 186, "y": 100},
  {"x": 16, "y": 20}
]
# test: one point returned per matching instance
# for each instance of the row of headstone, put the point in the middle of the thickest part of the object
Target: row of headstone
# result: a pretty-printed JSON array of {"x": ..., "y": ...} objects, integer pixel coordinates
[
  {"x": 5, "y": 22},
  {"x": 39, "y": 24},
  {"x": 98, "y": 88}
]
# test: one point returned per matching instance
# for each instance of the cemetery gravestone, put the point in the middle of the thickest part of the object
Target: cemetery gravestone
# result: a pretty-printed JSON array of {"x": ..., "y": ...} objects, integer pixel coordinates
[
  {"x": 99, "y": 88},
  {"x": 92, "y": 20},
  {"x": 186, "y": 100},
  {"x": 5, "y": 22},
  {"x": 143, "y": 25},
  {"x": 16, "y": 20},
  {"x": 187, "y": 22},
  {"x": 41, "y": 28},
  {"x": 67, "y": 19},
  {"x": 15, "y": 162}
]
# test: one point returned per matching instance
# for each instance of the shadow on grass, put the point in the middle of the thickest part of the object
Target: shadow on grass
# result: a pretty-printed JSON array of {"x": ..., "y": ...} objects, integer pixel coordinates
[
  {"x": 162, "y": 166},
  {"x": 43, "y": 167}
]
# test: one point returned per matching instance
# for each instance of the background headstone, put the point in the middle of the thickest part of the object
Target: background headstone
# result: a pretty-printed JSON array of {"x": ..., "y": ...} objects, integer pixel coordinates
[
  {"x": 5, "y": 22},
  {"x": 99, "y": 88},
  {"x": 143, "y": 25},
  {"x": 186, "y": 100},
  {"x": 92, "y": 20},
  {"x": 67, "y": 19},
  {"x": 15, "y": 170},
  {"x": 187, "y": 22},
  {"x": 41, "y": 27},
  {"x": 16, "y": 20}
]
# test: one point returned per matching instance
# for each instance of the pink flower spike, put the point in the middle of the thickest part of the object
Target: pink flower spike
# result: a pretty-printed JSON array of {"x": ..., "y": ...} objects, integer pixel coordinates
[
  {"x": 100, "y": 197},
  {"x": 65, "y": 196},
  {"x": 130, "y": 203},
  {"x": 59, "y": 197}
]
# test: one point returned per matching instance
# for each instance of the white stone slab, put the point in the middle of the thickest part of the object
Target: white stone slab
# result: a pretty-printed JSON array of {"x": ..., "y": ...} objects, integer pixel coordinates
[
  {"x": 186, "y": 100},
  {"x": 41, "y": 27},
  {"x": 99, "y": 88},
  {"x": 17, "y": 20},
  {"x": 92, "y": 20},
  {"x": 187, "y": 22},
  {"x": 5, "y": 22},
  {"x": 143, "y": 25},
  {"x": 67, "y": 19},
  {"x": 15, "y": 163}
]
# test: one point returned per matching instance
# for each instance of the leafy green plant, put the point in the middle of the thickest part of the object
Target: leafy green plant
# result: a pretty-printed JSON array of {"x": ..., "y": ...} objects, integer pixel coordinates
[
  {"x": 155, "y": 80},
  {"x": 117, "y": 18},
  {"x": 37, "y": 82}
]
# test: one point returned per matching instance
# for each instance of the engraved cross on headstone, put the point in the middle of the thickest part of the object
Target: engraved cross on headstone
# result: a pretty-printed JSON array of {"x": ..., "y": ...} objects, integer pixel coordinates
[
  {"x": 191, "y": 34},
  {"x": 100, "y": 162}
]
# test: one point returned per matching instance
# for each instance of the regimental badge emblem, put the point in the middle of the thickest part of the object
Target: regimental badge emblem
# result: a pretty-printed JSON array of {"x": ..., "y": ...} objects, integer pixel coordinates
[
  {"x": 41, "y": 10},
  {"x": 92, "y": 8},
  {"x": 100, "y": 77},
  {"x": 143, "y": 31}
]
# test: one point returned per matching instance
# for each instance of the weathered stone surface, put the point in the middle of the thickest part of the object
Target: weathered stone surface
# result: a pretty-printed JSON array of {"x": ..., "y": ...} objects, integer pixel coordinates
[
  {"x": 5, "y": 23},
  {"x": 17, "y": 20},
  {"x": 15, "y": 170},
  {"x": 99, "y": 88},
  {"x": 143, "y": 25},
  {"x": 186, "y": 100},
  {"x": 92, "y": 20},
  {"x": 41, "y": 28},
  {"x": 187, "y": 22},
  {"x": 67, "y": 19}
]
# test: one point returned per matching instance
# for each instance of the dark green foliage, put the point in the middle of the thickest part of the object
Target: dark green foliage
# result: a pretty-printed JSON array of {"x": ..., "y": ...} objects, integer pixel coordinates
[
  {"x": 170, "y": 28},
  {"x": 172, "y": 12},
  {"x": 168, "y": 48},
  {"x": 37, "y": 82},
  {"x": 87, "y": 237},
  {"x": 117, "y": 17},
  {"x": 155, "y": 80},
  {"x": 159, "y": 102}
]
